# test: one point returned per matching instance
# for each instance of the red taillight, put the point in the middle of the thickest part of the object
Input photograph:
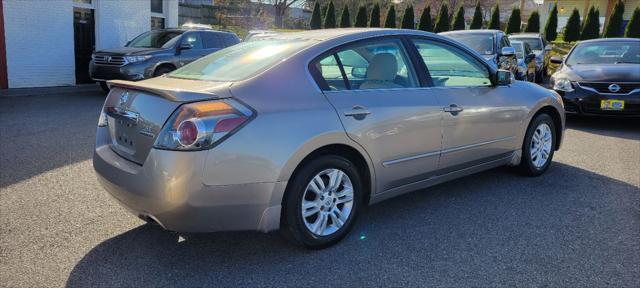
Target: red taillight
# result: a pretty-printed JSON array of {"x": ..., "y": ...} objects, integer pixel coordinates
[
  {"x": 201, "y": 125},
  {"x": 187, "y": 133},
  {"x": 229, "y": 124}
]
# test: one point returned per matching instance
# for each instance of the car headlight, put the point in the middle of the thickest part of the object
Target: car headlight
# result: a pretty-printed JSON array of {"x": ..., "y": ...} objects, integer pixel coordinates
[
  {"x": 563, "y": 84},
  {"x": 133, "y": 59}
]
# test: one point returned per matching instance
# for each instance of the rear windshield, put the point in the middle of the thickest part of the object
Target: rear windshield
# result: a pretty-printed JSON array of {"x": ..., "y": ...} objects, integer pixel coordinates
[
  {"x": 519, "y": 49},
  {"x": 535, "y": 43},
  {"x": 240, "y": 61},
  {"x": 481, "y": 42}
]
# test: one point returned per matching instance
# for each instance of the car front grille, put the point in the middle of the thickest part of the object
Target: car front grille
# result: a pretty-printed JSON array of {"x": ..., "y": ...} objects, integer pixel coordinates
[
  {"x": 603, "y": 87},
  {"x": 109, "y": 60}
]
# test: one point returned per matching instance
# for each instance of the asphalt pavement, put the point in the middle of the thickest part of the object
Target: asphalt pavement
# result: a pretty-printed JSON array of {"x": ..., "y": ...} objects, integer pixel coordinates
[{"x": 577, "y": 225}]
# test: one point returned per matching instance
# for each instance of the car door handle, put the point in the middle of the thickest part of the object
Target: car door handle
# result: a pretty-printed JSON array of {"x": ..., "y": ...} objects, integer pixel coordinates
[
  {"x": 453, "y": 109},
  {"x": 358, "y": 112}
]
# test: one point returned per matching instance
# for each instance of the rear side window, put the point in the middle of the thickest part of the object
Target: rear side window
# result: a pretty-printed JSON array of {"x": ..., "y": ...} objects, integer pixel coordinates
[
  {"x": 230, "y": 39},
  {"x": 212, "y": 40},
  {"x": 373, "y": 65},
  {"x": 219, "y": 40}
]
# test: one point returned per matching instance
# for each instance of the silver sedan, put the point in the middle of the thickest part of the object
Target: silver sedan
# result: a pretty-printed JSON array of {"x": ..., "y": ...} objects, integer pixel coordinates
[{"x": 298, "y": 131}]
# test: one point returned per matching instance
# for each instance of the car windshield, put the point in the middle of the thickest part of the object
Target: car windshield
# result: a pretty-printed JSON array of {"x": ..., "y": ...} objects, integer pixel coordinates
[
  {"x": 519, "y": 49},
  {"x": 534, "y": 43},
  {"x": 605, "y": 53},
  {"x": 482, "y": 42},
  {"x": 240, "y": 61},
  {"x": 155, "y": 39}
]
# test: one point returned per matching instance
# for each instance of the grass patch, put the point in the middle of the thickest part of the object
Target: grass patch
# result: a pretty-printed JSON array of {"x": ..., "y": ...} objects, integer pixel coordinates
[{"x": 561, "y": 49}]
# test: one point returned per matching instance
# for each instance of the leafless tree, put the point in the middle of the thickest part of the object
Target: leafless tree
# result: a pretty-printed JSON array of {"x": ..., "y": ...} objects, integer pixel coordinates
[{"x": 280, "y": 8}]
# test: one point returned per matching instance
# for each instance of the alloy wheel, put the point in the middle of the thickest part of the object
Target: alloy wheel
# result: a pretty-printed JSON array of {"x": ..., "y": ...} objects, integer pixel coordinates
[
  {"x": 541, "y": 143},
  {"x": 327, "y": 202}
]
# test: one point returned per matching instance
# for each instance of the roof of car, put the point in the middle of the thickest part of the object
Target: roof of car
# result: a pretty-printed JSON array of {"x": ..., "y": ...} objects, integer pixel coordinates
[
  {"x": 472, "y": 31},
  {"x": 526, "y": 34},
  {"x": 182, "y": 30},
  {"x": 611, "y": 40},
  {"x": 325, "y": 34}
]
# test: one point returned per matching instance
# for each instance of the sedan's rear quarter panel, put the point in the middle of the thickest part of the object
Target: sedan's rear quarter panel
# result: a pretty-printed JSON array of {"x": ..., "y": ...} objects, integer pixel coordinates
[{"x": 293, "y": 119}]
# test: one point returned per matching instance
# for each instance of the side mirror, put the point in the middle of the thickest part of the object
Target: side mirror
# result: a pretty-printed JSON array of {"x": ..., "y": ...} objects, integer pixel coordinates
[
  {"x": 185, "y": 46},
  {"x": 549, "y": 47},
  {"x": 556, "y": 60},
  {"x": 504, "y": 78},
  {"x": 508, "y": 51}
]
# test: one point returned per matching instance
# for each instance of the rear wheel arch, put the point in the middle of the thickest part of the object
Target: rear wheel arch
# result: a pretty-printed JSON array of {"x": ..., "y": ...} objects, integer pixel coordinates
[{"x": 350, "y": 153}]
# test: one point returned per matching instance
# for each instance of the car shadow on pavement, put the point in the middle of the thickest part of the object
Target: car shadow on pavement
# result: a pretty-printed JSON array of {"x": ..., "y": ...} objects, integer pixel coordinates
[
  {"x": 493, "y": 228},
  {"x": 42, "y": 133},
  {"x": 628, "y": 128}
]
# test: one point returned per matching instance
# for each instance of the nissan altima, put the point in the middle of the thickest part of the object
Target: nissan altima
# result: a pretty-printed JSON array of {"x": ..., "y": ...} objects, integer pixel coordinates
[
  {"x": 600, "y": 77},
  {"x": 297, "y": 132}
]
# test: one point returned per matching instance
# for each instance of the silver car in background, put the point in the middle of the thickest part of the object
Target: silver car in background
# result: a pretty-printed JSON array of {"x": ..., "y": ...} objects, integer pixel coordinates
[
  {"x": 540, "y": 47},
  {"x": 297, "y": 132}
]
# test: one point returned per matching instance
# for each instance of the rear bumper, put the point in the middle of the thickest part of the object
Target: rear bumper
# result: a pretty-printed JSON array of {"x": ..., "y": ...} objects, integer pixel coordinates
[
  {"x": 169, "y": 189},
  {"x": 586, "y": 102}
]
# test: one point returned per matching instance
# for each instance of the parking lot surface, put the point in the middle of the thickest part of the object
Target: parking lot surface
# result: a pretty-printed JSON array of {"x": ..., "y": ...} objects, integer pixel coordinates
[{"x": 577, "y": 225}]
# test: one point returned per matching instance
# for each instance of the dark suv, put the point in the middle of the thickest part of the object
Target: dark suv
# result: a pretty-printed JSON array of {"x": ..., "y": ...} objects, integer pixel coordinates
[
  {"x": 493, "y": 45},
  {"x": 157, "y": 52}
]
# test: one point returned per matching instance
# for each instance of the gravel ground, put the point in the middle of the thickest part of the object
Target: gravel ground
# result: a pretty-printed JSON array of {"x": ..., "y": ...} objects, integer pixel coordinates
[{"x": 577, "y": 225}]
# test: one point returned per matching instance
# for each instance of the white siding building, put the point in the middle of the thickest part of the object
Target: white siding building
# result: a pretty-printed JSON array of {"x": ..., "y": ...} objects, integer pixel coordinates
[{"x": 49, "y": 42}]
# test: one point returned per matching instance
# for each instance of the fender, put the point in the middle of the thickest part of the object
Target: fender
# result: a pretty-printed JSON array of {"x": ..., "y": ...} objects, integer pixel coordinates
[
  {"x": 553, "y": 100},
  {"x": 316, "y": 143}
]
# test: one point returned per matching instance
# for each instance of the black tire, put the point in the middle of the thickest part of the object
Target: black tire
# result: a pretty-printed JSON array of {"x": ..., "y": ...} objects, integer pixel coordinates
[
  {"x": 104, "y": 86},
  {"x": 292, "y": 225},
  {"x": 162, "y": 70},
  {"x": 527, "y": 166}
]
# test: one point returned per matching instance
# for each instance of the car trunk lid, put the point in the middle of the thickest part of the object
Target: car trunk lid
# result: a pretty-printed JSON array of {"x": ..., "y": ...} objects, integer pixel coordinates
[{"x": 136, "y": 111}]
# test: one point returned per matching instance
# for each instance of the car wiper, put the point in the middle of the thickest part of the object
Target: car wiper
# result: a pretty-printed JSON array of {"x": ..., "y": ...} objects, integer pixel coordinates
[{"x": 626, "y": 62}]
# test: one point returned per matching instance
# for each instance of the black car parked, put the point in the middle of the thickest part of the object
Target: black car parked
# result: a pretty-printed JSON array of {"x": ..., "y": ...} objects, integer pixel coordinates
[
  {"x": 493, "y": 45},
  {"x": 157, "y": 52},
  {"x": 600, "y": 76}
]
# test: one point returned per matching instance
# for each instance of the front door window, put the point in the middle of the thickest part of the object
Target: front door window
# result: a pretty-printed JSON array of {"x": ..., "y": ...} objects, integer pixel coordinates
[{"x": 449, "y": 66}]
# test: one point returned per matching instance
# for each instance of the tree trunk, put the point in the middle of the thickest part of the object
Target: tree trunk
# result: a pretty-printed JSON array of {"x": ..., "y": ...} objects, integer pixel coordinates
[{"x": 279, "y": 14}]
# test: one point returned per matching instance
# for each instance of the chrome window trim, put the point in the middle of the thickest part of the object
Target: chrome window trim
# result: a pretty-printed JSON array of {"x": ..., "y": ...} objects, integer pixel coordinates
[{"x": 399, "y": 35}]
